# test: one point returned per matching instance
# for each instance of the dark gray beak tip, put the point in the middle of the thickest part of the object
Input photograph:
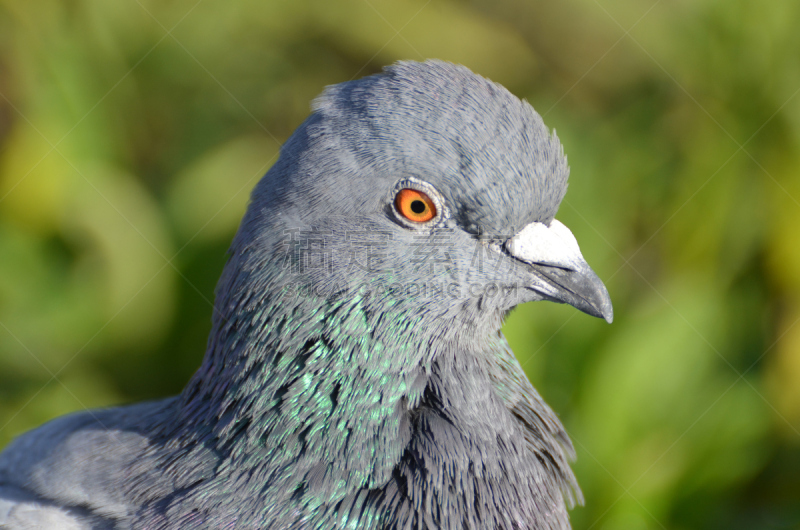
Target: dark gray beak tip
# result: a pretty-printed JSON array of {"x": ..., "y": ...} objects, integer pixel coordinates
[
  {"x": 580, "y": 288},
  {"x": 595, "y": 300},
  {"x": 606, "y": 311},
  {"x": 595, "y": 296}
]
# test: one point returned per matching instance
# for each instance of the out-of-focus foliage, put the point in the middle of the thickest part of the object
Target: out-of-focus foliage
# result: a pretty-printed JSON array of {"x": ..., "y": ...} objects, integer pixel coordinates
[{"x": 131, "y": 133}]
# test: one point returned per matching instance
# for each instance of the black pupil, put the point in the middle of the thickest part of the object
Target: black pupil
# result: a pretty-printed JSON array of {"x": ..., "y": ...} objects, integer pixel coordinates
[{"x": 417, "y": 207}]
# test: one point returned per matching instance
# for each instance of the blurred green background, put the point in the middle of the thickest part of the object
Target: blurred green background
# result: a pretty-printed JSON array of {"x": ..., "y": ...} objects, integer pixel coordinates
[{"x": 131, "y": 133}]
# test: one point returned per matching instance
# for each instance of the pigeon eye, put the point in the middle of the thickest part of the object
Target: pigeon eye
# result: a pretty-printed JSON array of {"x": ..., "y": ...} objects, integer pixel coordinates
[
  {"x": 417, "y": 205},
  {"x": 414, "y": 205}
]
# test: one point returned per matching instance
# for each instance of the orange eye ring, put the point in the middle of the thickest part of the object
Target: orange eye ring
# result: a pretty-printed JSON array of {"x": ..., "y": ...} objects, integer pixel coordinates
[{"x": 414, "y": 205}]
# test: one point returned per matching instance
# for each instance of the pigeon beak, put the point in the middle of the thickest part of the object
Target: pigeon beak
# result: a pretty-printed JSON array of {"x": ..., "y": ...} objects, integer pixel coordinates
[{"x": 561, "y": 274}]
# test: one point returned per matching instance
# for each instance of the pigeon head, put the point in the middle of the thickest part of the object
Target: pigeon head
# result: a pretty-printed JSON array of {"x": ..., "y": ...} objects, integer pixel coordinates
[{"x": 479, "y": 165}]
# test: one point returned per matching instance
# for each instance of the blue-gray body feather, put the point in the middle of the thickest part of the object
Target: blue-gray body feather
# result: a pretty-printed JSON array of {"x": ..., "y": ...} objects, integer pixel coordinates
[{"x": 329, "y": 397}]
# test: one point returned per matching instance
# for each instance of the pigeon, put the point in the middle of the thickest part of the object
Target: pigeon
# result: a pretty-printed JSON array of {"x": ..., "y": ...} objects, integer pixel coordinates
[{"x": 356, "y": 375}]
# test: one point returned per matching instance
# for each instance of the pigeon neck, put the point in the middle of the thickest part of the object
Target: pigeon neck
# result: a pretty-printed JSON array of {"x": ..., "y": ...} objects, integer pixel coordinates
[
  {"x": 267, "y": 349},
  {"x": 279, "y": 369},
  {"x": 351, "y": 399}
]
